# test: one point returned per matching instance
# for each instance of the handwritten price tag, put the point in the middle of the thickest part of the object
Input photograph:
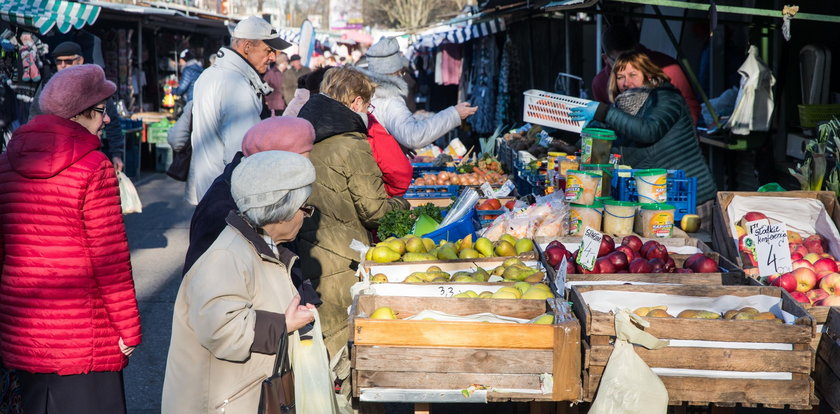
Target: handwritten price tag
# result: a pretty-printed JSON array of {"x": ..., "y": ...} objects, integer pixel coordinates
[
  {"x": 560, "y": 279},
  {"x": 771, "y": 247},
  {"x": 488, "y": 190},
  {"x": 446, "y": 291},
  {"x": 505, "y": 189},
  {"x": 589, "y": 247}
]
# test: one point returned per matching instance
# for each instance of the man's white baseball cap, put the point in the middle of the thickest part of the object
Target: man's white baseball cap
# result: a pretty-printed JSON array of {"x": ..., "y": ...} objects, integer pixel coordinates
[{"x": 256, "y": 28}]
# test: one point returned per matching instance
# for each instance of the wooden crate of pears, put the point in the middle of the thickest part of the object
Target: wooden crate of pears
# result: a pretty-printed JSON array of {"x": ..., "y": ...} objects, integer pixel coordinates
[
  {"x": 827, "y": 369},
  {"x": 421, "y": 249},
  {"x": 737, "y": 356},
  {"x": 491, "y": 270},
  {"x": 509, "y": 361}
]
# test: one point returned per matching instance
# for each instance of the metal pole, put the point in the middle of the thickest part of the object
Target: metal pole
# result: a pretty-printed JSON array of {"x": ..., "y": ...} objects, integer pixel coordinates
[
  {"x": 599, "y": 23},
  {"x": 567, "y": 46},
  {"x": 140, "y": 64}
]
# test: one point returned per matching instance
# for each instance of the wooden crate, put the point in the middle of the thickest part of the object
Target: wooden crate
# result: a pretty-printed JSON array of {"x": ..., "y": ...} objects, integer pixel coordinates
[
  {"x": 422, "y": 355},
  {"x": 722, "y": 235},
  {"x": 827, "y": 368},
  {"x": 446, "y": 202},
  {"x": 730, "y": 275},
  {"x": 797, "y": 393}
]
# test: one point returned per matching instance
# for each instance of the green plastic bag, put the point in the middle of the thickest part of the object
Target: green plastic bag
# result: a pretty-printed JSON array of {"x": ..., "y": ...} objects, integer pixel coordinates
[
  {"x": 424, "y": 225},
  {"x": 770, "y": 187}
]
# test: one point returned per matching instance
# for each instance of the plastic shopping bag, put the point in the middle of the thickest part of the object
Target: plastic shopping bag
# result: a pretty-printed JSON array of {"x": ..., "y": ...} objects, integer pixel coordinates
[
  {"x": 628, "y": 386},
  {"x": 314, "y": 390},
  {"x": 129, "y": 199}
]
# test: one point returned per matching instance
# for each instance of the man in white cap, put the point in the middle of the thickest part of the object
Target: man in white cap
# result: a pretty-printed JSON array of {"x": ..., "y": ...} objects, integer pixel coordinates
[
  {"x": 227, "y": 101},
  {"x": 386, "y": 65}
]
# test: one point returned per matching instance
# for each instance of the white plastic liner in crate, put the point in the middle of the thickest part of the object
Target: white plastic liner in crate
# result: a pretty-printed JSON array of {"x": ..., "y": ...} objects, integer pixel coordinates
[{"x": 551, "y": 109}]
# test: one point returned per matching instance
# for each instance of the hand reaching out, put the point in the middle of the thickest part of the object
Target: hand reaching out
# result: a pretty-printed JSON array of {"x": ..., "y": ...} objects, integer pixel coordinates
[
  {"x": 584, "y": 113},
  {"x": 464, "y": 109},
  {"x": 297, "y": 315}
]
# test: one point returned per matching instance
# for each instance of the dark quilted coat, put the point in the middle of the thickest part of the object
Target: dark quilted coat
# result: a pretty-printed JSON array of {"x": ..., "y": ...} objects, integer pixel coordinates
[{"x": 66, "y": 290}]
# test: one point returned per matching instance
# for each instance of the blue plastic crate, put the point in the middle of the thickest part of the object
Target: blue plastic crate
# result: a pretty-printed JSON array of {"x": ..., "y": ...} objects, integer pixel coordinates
[
  {"x": 523, "y": 187},
  {"x": 421, "y": 168},
  {"x": 506, "y": 156},
  {"x": 484, "y": 222},
  {"x": 431, "y": 191},
  {"x": 682, "y": 191},
  {"x": 129, "y": 124},
  {"x": 458, "y": 230}
]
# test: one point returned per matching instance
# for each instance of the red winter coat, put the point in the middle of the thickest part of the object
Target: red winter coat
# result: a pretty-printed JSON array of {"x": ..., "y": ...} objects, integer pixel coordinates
[
  {"x": 395, "y": 166},
  {"x": 66, "y": 292}
]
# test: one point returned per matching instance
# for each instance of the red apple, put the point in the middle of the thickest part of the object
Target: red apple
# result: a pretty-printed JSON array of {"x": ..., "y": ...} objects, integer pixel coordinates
[
  {"x": 801, "y": 250},
  {"x": 831, "y": 283},
  {"x": 800, "y": 297},
  {"x": 554, "y": 255},
  {"x": 640, "y": 265},
  {"x": 689, "y": 263},
  {"x": 816, "y": 295},
  {"x": 657, "y": 264},
  {"x": 607, "y": 246},
  {"x": 633, "y": 242},
  {"x": 707, "y": 265},
  {"x": 618, "y": 259},
  {"x": 604, "y": 265},
  {"x": 802, "y": 263},
  {"x": 795, "y": 256},
  {"x": 821, "y": 274},
  {"x": 658, "y": 252},
  {"x": 825, "y": 264},
  {"x": 831, "y": 300},
  {"x": 754, "y": 215},
  {"x": 555, "y": 243},
  {"x": 570, "y": 266},
  {"x": 650, "y": 244},
  {"x": 793, "y": 246},
  {"x": 806, "y": 279},
  {"x": 628, "y": 252},
  {"x": 812, "y": 257},
  {"x": 670, "y": 265},
  {"x": 814, "y": 244},
  {"x": 772, "y": 278},
  {"x": 509, "y": 205},
  {"x": 786, "y": 282}
]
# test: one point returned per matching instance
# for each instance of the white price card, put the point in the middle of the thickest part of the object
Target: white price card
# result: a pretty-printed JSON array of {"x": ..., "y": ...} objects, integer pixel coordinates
[
  {"x": 505, "y": 189},
  {"x": 771, "y": 247},
  {"x": 560, "y": 279},
  {"x": 589, "y": 247},
  {"x": 488, "y": 190},
  {"x": 751, "y": 225}
]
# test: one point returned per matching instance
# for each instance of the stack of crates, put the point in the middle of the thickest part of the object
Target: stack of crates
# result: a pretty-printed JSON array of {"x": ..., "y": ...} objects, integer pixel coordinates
[
  {"x": 682, "y": 190},
  {"x": 157, "y": 134}
]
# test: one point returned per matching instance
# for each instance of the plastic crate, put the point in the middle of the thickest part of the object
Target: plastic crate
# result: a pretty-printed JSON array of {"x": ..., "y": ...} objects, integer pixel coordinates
[
  {"x": 431, "y": 191},
  {"x": 129, "y": 124},
  {"x": 421, "y": 168},
  {"x": 163, "y": 157},
  {"x": 682, "y": 191},
  {"x": 523, "y": 187},
  {"x": 551, "y": 110},
  {"x": 484, "y": 222},
  {"x": 506, "y": 156},
  {"x": 158, "y": 132},
  {"x": 458, "y": 230},
  {"x": 810, "y": 115}
]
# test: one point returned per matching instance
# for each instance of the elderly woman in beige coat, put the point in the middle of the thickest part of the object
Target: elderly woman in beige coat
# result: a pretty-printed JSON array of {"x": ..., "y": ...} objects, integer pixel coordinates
[{"x": 238, "y": 299}]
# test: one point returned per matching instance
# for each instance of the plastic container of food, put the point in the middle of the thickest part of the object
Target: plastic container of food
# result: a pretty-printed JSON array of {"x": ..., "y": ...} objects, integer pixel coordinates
[
  {"x": 569, "y": 162},
  {"x": 651, "y": 185},
  {"x": 582, "y": 186},
  {"x": 655, "y": 220},
  {"x": 595, "y": 145},
  {"x": 606, "y": 177},
  {"x": 619, "y": 217},
  {"x": 581, "y": 216}
]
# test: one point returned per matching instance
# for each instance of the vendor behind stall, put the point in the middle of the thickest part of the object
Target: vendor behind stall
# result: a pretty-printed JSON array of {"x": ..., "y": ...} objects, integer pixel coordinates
[{"x": 653, "y": 124}]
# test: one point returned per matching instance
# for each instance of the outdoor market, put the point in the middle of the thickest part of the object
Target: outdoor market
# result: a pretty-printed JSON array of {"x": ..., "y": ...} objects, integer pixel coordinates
[{"x": 501, "y": 206}]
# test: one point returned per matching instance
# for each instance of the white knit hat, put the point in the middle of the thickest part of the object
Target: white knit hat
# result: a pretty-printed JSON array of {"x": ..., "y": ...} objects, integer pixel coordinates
[
  {"x": 264, "y": 178},
  {"x": 385, "y": 57}
]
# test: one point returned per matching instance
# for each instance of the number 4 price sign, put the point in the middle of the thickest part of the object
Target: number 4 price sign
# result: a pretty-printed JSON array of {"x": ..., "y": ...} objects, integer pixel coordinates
[{"x": 771, "y": 247}]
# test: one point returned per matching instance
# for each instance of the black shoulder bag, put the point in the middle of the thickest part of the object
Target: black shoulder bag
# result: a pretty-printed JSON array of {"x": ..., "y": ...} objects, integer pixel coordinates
[{"x": 277, "y": 395}]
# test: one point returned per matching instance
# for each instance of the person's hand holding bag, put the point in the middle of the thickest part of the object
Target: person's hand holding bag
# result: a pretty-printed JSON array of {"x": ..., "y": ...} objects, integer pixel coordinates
[
  {"x": 584, "y": 114},
  {"x": 297, "y": 315}
]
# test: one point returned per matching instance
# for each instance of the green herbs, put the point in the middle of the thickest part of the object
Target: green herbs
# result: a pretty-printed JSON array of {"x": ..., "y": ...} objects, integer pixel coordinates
[{"x": 398, "y": 223}]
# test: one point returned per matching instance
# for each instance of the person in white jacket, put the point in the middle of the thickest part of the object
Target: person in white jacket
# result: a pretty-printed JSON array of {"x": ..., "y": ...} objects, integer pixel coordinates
[
  {"x": 385, "y": 66},
  {"x": 228, "y": 101}
]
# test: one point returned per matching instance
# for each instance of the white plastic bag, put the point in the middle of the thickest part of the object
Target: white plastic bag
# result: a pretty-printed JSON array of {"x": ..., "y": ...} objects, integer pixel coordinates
[
  {"x": 628, "y": 386},
  {"x": 314, "y": 391},
  {"x": 129, "y": 199}
]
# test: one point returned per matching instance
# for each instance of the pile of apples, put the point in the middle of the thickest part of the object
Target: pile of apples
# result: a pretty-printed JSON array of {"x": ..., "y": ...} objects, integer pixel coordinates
[{"x": 632, "y": 256}]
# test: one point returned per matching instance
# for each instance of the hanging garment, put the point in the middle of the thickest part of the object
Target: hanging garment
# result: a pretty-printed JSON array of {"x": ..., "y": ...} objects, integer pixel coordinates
[
  {"x": 754, "y": 105},
  {"x": 439, "y": 67},
  {"x": 451, "y": 64},
  {"x": 483, "y": 84}
]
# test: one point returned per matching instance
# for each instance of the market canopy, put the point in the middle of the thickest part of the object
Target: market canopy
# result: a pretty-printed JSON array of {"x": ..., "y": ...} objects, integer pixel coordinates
[
  {"x": 43, "y": 15},
  {"x": 462, "y": 34}
]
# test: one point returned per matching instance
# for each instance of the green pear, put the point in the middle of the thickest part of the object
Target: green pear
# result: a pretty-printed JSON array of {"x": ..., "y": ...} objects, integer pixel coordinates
[
  {"x": 384, "y": 254},
  {"x": 461, "y": 273},
  {"x": 431, "y": 276},
  {"x": 447, "y": 253},
  {"x": 396, "y": 245},
  {"x": 462, "y": 279},
  {"x": 412, "y": 279},
  {"x": 535, "y": 293},
  {"x": 415, "y": 245},
  {"x": 417, "y": 257},
  {"x": 383, "y": 313},
  {"x": 379, "y": 278},
  {"x": 484, "y": 246},
  {"x": 504, "y": 294},
  {"x": 522, "y": 286},
  {"x": 468, "y": 253},
  {"x": 544, "y": 319},
  {"x": 486, "y": 294},
  {"x": 440, "y": 280},
  {"x": 503, "y": 248},
  {"x": 461, "y": 295},
  {"x": 524, "y": 246},
  {"x": 508, "y": 238},
  {"x": 512, "y": 261},
  {"x": 434, "y": 269},
  {"x": 498, "y": 270},
  {"x": 429, "y": 244},
  {"x": 481, "y": 275}
]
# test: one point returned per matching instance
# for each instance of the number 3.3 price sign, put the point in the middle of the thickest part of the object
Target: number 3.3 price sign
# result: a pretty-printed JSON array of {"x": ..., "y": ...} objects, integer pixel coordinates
[{"x": 770, "y": 242}]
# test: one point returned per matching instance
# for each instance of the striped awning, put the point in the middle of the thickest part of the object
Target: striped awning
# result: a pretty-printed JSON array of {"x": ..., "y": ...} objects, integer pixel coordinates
[
  {"x": 462, "y": 34},
  {"x": 44, "y": 15}
]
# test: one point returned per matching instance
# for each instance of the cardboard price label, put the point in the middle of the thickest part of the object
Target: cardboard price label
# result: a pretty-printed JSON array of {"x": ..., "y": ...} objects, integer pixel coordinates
[
  {"x": 560, "y": 279},
  {"x": 487, "y": 190},
  {"x": 771, "y": 247},
  {"x": 505, "y": 189},
  {"x": 589, "y": 247}
]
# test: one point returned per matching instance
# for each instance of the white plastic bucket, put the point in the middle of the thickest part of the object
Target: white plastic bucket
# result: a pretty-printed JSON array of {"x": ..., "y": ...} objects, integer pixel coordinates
[
  {"x": 619, "y": 217},
  {"x": 652, "y": 185}
]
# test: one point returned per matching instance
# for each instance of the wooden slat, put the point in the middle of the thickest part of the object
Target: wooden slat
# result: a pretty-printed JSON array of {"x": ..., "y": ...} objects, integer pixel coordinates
[
  {"x": 463, "y": 360},
  {"x": 455, "y": 334},
  {"x": 566, "y": 371},
  {"x": 743, "y": 391},
  {"x": 820, "y": 313},
  {"x": 711, "y": 329},
  {"x": 691, "y": 290},
  {"x": 827, "y": 384},
  {"x": 435, "y": 380},
  {"x": 704, "y": 279},
  {"x": 722, "y": 359}
]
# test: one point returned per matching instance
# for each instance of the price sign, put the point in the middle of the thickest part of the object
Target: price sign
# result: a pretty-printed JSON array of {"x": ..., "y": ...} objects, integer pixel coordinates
[
  {"x": 487, "y": 190},
  {"x": 446, "y": 291},
  {"x": 771, "y": 247},
  {"x": 589, "y": 247},
  {"x": 560, "y": 280},
  {"x": 505, "y": 189},
  {"x": 751, "y": 225}
]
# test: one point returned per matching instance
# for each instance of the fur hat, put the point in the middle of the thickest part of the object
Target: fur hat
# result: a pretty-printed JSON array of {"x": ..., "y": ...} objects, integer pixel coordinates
[
  {"x": 385, "y": 57},
  {"x": 279, "y": 133},
  {"x": 266, "y": 177},
  {"x": 72, "y": 90}
]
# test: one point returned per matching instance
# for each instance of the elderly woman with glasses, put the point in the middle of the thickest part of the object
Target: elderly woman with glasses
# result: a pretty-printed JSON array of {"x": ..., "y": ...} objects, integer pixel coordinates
[
  {"x": 238, "y": 300},
  {"x": 68, "y": 312}
]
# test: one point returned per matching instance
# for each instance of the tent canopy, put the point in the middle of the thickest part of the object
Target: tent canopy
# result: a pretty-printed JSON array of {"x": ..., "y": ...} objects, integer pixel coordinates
[{"x": 44, "y": 15}]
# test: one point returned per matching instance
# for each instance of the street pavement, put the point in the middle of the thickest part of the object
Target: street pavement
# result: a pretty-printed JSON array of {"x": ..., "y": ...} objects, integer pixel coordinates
[{"x": 158, "y": 238}]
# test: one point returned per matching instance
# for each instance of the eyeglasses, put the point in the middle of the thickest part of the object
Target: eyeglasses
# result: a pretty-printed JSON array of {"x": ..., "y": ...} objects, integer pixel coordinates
[
  {"x": 68, "y": 61},
  {"x": 371, "y": 108},
  {"x": 308, "y": 211},
  {"x": 101, "y": 110}
]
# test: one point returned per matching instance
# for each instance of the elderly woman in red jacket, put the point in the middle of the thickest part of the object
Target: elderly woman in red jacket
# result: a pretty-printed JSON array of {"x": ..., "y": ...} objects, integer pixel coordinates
[{"x": 68, "y": 312}]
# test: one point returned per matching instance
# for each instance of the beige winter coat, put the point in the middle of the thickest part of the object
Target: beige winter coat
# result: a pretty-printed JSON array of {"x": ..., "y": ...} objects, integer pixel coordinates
[{"x": 210, "y": 367}]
